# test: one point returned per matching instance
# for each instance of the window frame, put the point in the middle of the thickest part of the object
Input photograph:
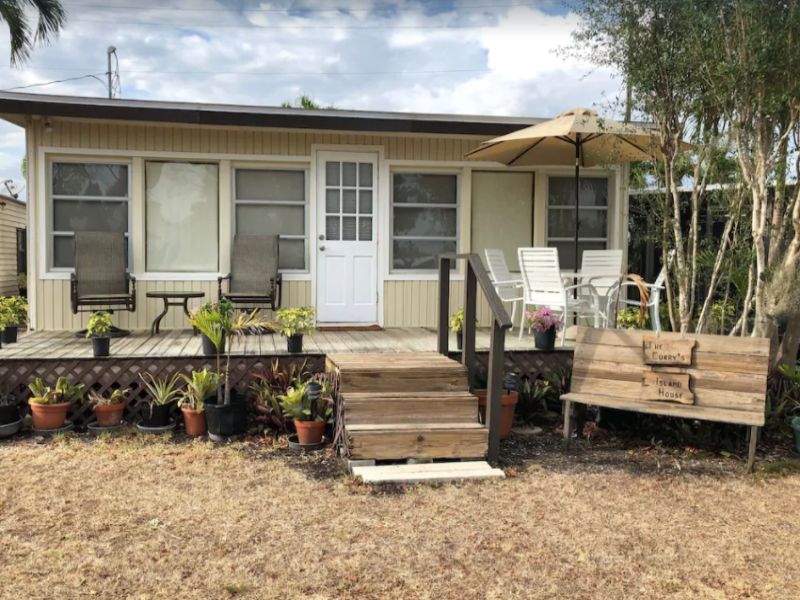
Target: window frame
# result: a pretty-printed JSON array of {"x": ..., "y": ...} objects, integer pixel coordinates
[
  {"x": 52, "y": 233},
  {"x": 573, "y": 208},
  {"x": 422, "y": 170},
  {"x": 306, "y": 170}
]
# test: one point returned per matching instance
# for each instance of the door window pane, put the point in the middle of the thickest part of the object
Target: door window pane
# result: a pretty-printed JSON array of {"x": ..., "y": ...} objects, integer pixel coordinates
[
  {"x": 332, "y": 229},
  {"x": 592, "y": 222},
  {"x": 365, "y": 229},
  {"x": 182, "y": 207},
  {"x": 365, "y": 202},
  {"x": 349, "y": 202},
  {"x": 348, "y": 229},
  {"x": 332, "y": 173},
  {"x": 332, "y": 201},
  {"x": 349, "y": 174},
  {"x": 365, "y": 174}
]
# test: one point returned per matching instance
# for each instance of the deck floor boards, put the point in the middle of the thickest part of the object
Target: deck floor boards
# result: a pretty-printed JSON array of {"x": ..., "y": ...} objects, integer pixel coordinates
[{"x": 182, "y": 343}]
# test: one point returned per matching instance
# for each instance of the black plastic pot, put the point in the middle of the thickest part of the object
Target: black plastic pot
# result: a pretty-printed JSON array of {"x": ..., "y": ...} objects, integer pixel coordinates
[
  {"x": 460, "y": 340},
  {"x": 101, "y": 345},
  {"x": 545, "y": 340},
  {"x": 157, "y": 415},
  {"x": 10, "y": 334},
  {"x": 294, "y": 343},
  {"x": 226, "y": 420},
  {"x": 9, "y": 414},
  {"x": 209, "y": 349}
]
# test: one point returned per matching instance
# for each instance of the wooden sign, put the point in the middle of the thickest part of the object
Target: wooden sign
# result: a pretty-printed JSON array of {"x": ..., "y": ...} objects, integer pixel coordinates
[
  {"x": 666, "y": 386},
  {"x": 658, "y": 351}
]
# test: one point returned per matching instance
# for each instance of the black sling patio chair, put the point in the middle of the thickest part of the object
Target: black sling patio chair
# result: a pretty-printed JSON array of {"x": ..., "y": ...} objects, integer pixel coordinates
[
  {"x": 254, "y": 281},
  {"x": 100, "y": 281}
]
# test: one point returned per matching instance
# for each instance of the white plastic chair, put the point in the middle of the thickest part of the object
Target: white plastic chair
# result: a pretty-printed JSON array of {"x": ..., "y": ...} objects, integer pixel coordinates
[
  {"x": 543, "y": 286},
  {"x": 653, "y": 300},
  {"x": 508, "y": 287},
  {"x": 603, "y": 270}
]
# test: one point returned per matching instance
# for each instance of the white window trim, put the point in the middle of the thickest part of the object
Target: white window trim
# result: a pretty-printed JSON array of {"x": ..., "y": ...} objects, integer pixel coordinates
[
  {"x": 422, "y": 169},
  {"x": 570, "y": 207},
  {"x": 306, "y": 170},
  {"x": 47, "y": 246}
]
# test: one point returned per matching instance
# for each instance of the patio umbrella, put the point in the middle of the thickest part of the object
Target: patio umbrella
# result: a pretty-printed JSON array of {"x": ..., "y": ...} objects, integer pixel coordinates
[{"x": 577, "y": 136}]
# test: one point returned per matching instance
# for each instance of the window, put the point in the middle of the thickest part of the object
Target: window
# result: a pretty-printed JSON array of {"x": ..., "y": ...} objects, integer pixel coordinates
[
  {"x": 593, "y": 219},
  {"x": 182, "y": 213},
  {"x": 85, "y": 197},
  {"x": 271, "y": 201},
  {"x": 22, "y": 251},
  {"x": 424, "y": 219},
  {"x": 502, "y": 213}
]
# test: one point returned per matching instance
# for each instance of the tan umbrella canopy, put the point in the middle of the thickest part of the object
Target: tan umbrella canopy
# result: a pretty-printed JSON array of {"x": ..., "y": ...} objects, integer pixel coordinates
[{"x": 575, "y": 137}]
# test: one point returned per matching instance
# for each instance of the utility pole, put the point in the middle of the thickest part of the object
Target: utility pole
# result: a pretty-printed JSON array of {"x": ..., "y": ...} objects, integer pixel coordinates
[{"x": 111, "y": 50}]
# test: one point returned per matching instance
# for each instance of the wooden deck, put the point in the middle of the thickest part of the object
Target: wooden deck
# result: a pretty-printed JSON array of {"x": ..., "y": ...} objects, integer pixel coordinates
[{"x": 182, "y": 343}]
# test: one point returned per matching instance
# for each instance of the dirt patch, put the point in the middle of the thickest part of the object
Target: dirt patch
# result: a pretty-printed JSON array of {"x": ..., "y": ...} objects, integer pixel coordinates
[{"x": 134, "y": 517}]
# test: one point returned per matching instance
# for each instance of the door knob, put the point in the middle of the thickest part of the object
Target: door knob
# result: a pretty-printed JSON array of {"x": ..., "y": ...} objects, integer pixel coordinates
[{"x": 322, "y": 248}]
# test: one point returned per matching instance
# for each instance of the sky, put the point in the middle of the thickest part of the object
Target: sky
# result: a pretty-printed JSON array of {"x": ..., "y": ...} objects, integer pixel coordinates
[{"x": 492, "y": 57}]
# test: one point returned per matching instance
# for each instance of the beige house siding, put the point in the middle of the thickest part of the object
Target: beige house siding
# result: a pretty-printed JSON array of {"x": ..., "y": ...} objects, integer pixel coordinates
[
  {"x": 12, "y": 217},
  {"x": 404, "y": 299}
]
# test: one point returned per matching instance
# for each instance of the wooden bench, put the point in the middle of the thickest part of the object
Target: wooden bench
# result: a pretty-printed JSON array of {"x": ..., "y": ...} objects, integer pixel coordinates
[{"x": 708, "y": 377}]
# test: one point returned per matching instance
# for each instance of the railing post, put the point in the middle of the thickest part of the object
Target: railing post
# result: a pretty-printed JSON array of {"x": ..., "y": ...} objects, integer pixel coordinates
[
  {"x": 495, "y": 390},
  {"x": 444, "y": 305},
  {"x": 470, "y": 313}
]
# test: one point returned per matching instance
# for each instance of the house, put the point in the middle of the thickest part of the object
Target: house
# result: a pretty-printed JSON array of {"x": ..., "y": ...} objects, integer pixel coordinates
[
  {"x": 12, "y": 244},
  {"x": 364, "y": 201}
]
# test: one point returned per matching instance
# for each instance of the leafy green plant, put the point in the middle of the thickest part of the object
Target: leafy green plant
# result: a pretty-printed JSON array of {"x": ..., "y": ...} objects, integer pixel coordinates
[
  {"x": 633, "y": 318},
  {"x": 199, "y": 387},
  {"x": 99, "y": 324},
  {"x": 295, "y": 321},
  {"x": 457, "y": 321},
  {"x": 266, "y": 387},
  {"x": 63, "y": 391},
  {"x": 161, "y": 391},
  {"x": 297, "y": 404},
  {"x": 115, "y": 397},
  {"x": 218, "y": 323},
  {"x": 14, "y": 311}
]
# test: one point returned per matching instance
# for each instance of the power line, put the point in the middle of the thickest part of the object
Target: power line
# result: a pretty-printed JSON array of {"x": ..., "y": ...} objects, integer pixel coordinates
[
  {"x": 277, "y": 73},
  {"x": 374, "y": 27},
  {"x": 30, "y": 85},
  {"x": 301, "y": 10}
]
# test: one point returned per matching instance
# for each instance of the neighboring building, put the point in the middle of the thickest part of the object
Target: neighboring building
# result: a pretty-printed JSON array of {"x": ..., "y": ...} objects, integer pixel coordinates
[
  {"x": 364, "y": 201},
  {"x": 12, "y": 244}
]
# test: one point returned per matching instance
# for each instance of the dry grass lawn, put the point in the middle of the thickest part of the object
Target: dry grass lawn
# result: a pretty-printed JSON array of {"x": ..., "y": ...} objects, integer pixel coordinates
[{"x": 138, "y": 518}]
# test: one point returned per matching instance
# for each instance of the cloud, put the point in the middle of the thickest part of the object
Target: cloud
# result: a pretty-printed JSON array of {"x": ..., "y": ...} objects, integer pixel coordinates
[{"x": 406, "y": 56}]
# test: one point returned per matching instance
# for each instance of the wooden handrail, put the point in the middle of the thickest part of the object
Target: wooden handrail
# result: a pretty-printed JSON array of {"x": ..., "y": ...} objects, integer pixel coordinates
[{"x": 476, "y": 275}]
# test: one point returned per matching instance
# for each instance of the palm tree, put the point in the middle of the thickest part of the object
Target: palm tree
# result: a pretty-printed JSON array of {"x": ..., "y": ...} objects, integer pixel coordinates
[{"x": 23, "y": 38}]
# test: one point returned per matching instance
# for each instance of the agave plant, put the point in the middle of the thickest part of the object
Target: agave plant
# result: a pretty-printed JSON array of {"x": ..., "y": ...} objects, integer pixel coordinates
[
  {"x": 161, "y": 391},
  {"x": 199, "y": 386},
  {"x": 115, "y": 397}
]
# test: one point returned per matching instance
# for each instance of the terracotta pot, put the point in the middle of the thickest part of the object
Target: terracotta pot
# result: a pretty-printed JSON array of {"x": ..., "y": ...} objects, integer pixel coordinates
[
  {"x": 49, "y": 416},
  {"x": 194, "y": 421},
  {"x": 109, "y": 415},
  {"x": 309, "y": 432},
  {"x": 507, "y": 404}
]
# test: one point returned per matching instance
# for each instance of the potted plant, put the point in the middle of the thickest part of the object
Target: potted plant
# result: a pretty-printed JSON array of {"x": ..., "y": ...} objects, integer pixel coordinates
[
  {"x": 49, "y": 406},
  {"x": 508, "y": 400},
  {"x": 108, "y": 409},
  {"x": 294, "y": 323},
  {"x": 15, "y": 316},
  {"x": 226, "y": 415},
  {"x": 162, "y": 395},
  {"x": 97, "y": 330},
  {"x": 210, "y": 320},
  {"x": 310, "y": 406},
  {"x": 457, "y": 327},
  {"x": 266, "y": 387},
  {"x": 200, "y": 388},
  {"x": 545, "y": 324},
  {"x": 10, "y": 419}
]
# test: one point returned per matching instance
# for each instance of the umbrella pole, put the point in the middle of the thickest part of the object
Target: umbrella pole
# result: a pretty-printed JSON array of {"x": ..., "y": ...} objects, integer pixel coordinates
[{"x": 577, "y": 198}]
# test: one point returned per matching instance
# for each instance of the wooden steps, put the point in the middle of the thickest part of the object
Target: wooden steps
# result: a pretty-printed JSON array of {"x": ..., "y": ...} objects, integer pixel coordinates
[
  {"x": 407, "y": 405},
  {"x": 427, "y": 472}
]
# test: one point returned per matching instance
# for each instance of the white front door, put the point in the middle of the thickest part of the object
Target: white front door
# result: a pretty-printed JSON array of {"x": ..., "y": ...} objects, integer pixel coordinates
[{"x": 347, "y": 265}]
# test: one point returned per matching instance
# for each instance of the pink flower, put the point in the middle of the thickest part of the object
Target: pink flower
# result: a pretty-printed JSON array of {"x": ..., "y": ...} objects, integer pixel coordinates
[{"x": 543, "y": 319}]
